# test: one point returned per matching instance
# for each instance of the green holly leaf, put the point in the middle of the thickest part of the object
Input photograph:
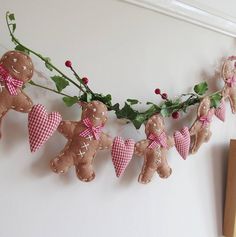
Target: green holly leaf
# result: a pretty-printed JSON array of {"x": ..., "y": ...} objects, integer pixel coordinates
[
  {"x": 47, "y": 64},
  {"x": 13, "y": 27},
  {"x": 127, "y": 112},
  {"x": 60, "y": 82},
  {"x": 22, "y": 49},
  {"x": 201, "y": 88},
  {"x": 11, "y": 17},
  {"x": 87, "y": 97},
  {"x": 216, "y": 100},
  {"x": 132, "y": 101},
  {"x": 106, "y": 99},
  {"x": 139, "y": 120},
  {"x": 69, "y": 101}
]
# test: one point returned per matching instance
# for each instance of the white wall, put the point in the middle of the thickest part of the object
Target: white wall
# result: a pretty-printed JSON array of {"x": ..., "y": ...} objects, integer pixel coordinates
[{"x": 127, "y": 51}]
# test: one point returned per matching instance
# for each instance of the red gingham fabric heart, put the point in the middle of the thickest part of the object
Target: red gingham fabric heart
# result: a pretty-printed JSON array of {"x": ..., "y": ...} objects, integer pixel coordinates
[
  {"x": 182, "y": 142},
  {"x": 221, "y": 110},
  {"x": 122, "y": 152},
  {"x": 41, "y": 126}
]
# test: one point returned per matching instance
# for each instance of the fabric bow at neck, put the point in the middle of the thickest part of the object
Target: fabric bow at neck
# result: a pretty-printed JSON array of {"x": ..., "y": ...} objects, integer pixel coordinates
[
  {"x": 231, "y": 82},
  {"x": 11, "y": 83},
  {"x": 95, "y": 131},
  {"x": 206, "y": 119},
  {"x": 157, "y": 140}
]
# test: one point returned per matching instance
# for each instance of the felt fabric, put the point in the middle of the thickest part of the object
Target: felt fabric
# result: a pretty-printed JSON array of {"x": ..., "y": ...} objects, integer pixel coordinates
[
  {"x": 182, "y": 142},
  {"x": 200, "y": 130},
  {"x": 81, "y": 150},
  {"x": 41, "y": 126},
  {"x": 155, "y": 157},
  {"x": 122, "y": 152},
  {"x": 229, "y": 77},
  {"x": 16, "y": 69},
  {"x": 221, "y": 110}
]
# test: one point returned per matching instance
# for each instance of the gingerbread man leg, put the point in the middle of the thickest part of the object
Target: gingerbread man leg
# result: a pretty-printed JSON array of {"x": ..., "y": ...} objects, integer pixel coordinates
[
  {"x": 164, "y": 170},
  {"x": 149, "y": 167},
  {"x": 232, "y": 100},
  {"x": 84, "y": 170},
  {"x": 62, "y": 162},
  {"x": 201, "y": 137}
]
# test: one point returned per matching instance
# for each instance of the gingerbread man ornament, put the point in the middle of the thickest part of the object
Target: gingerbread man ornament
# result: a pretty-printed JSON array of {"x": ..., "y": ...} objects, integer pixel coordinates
[
  {"x": 229, "y": 77},
  {"x": 154, "y": 149},
  {"x": 200, "y": 131},
  {"x": 16, "y": 68},
  {"x": 85, "y": 138}
]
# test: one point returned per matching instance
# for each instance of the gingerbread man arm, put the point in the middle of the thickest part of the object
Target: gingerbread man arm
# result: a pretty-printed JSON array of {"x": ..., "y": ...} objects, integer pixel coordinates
[
  {"x": 22, "y": 103},
  {"x": 195, "y": 128},
  {"x": 140, "y": 147},
  {"x": 105, "y": 141},
  {"x": 67, "y": 128}
]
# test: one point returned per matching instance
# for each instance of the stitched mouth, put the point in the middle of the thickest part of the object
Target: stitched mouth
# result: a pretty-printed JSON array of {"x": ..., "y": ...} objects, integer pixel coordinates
[
  {"x": 14, "y": 69},
  {"x": 95, "y": 117}
]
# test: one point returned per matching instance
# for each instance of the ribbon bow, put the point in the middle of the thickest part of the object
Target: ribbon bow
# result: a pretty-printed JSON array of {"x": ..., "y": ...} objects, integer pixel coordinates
[
  {"x": 91, "y": 130},
  {"x": 206, "y": 119},
  {"x": 231, "y": 82},
  {"x": 157, "y": 140},
  {"x": 11, "y": 83}
]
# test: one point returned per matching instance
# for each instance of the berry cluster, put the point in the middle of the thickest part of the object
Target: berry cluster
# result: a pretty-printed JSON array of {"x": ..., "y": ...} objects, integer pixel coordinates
[
  {"x": 69, "y": 65},
  {"x": 164, "y": 96}
]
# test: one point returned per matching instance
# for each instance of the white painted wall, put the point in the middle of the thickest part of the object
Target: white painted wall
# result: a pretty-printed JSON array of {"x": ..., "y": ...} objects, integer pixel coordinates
[{"x": 127, "y": 51}]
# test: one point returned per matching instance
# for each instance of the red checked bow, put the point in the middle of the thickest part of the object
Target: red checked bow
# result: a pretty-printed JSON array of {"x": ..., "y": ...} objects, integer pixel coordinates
[
  {"x": 91, "y": 130},
  {"x": 206, "y": 119},
  {"x": 231, "y": 82},
  {"x": 157, "y": 140},
  {"x": 11, "y": 83}
]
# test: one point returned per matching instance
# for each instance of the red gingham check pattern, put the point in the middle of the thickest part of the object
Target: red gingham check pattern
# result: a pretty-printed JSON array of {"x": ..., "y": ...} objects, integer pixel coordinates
[
  {"x": 220, "y": 111},
  {"x": 122, "y": 152},
  {"x": 41, "y": 126},
  {"x": 11, "y": 82},
  {"x": 182, "y": 142}
]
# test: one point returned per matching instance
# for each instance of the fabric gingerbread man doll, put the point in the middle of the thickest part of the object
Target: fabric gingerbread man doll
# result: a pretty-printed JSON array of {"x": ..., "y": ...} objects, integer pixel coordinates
[
  {"x": 229, "y": 77},
  {"x": 16, "y": 68},
  {"x": 154, "y": 149},
  {"x": 200, "y": 131},
  {"x": 85, "y": 138}
]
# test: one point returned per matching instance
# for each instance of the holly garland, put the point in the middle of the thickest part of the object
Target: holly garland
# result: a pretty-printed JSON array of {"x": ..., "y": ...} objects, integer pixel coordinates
[{"x": 167, "y": 108}]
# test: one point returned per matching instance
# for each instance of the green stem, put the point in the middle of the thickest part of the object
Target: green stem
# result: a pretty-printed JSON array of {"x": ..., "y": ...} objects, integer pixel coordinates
[
  {"x": 49, "y": 89},
  {"x": 40, "y": 56}
]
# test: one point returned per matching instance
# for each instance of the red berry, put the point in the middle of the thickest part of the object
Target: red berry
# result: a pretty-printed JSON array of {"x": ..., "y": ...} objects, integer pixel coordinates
[
  {"x": 175, "y": 115},
  {"x": 158, "y": 91},
  {"x": 85, "y": 80},
  {"x": 68, "y": 63},
  {"x": 164, "y": 96}
]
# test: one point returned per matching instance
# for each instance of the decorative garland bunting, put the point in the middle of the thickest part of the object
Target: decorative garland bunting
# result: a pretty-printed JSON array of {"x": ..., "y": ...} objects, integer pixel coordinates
[{"x": 86, "y": 137}]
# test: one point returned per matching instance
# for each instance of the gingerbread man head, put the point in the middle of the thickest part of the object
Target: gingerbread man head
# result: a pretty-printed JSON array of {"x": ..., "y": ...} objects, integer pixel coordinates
[
  {"x": 96, "y": 111},
  {"x": 19, "y": 65},
  {"x": 155, "y": 125}
]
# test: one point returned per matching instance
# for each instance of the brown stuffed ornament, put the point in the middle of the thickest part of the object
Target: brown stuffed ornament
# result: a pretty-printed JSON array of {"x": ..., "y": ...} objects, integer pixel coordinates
[
  {"x": 154, "y": 149},
  {"x": 16, "y": 68},
  {"x": 229, "y": 77},
  {"x": 85, "y": 138},
  {"x": 200, "y": 131}
]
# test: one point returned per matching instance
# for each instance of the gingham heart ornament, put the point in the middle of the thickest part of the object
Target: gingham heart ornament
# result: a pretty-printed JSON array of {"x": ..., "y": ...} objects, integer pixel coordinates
[
  {"x": 182, "y": 142},
  {"x": 121, "y": 152},
  {"x": 41, "y": 126},
  {"x": 221, "y": 110}
]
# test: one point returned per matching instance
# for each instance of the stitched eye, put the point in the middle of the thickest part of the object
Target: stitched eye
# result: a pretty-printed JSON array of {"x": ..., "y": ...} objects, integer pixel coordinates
[
  {"x": 24, "y": 67},
  {"x": 154, "y": 125},
  {"x": 94, "y": 109},
  {"x": 14, "y": 60}
]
